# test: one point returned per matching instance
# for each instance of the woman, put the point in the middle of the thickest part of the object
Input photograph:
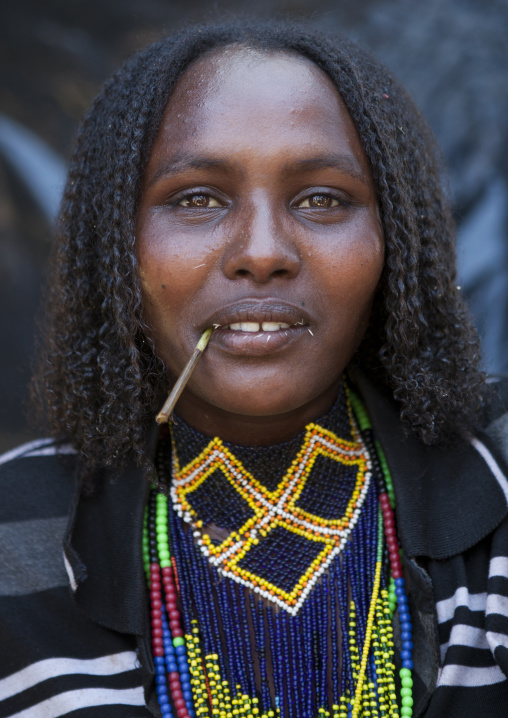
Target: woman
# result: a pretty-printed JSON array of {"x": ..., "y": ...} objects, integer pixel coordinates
[{"x": 280, "y": 188}]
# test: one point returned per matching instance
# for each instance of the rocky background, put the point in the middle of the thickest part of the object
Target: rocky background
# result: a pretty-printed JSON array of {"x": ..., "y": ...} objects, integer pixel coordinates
[{"x": 451, "y": 54}]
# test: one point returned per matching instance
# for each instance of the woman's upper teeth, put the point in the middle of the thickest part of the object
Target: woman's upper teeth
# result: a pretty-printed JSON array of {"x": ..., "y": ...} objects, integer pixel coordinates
[{"x": 258, "y": 326}]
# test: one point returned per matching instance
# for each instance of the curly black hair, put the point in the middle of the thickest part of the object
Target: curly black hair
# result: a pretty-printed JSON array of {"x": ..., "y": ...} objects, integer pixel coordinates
[{"x": 98, "y": 377}]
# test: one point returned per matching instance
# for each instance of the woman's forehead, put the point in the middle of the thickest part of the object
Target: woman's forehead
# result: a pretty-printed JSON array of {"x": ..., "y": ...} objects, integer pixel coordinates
[
  {"x": 236, "y": 100},
  {"x": 253, "y": 79}
]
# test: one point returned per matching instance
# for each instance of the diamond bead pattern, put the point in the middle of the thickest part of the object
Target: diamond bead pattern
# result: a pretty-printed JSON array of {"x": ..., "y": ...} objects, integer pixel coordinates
[{"x": 247, "y": 555}]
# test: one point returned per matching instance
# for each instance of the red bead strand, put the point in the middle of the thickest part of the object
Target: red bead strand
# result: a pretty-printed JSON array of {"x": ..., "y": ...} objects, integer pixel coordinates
[
  {"x": 156, "y": 605},
  {"x": 391, "y": 535}
]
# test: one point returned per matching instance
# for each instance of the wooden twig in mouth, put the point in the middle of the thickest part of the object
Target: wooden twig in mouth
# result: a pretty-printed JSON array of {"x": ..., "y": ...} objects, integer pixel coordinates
[{"x": 166, "y": 411}]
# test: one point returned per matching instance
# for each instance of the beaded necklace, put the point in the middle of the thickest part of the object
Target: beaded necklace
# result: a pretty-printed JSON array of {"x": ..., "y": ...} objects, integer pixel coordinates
[{"x": 239, "y": 629}]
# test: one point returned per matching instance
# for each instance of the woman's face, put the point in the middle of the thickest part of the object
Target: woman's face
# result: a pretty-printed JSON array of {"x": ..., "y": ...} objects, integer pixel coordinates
[{"x": 258, "y": 215}]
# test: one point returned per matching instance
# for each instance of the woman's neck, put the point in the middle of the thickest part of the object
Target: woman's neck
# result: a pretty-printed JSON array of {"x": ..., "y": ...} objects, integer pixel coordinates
[{"x": 249, "y": 430}]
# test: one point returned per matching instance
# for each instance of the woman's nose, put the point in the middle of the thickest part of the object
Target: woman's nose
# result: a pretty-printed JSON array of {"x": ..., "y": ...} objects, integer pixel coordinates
[{"x": 261, "y": 248}]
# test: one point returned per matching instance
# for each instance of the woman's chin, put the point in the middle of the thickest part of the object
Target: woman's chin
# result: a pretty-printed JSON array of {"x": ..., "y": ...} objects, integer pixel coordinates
[
  {"x": 270, "y": 410},
  {"x": 242, "y": 402}
]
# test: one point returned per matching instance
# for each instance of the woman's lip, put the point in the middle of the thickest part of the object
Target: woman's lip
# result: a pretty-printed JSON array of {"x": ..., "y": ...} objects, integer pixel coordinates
[
  {"x": 256, "y": 343},
  {"x": 258, "y": 311}
]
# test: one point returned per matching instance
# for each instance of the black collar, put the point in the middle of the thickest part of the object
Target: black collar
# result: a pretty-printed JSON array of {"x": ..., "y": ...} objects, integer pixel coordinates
[
  {"x": 104, "y": 555},
  {"x": 447, "y": 501}
]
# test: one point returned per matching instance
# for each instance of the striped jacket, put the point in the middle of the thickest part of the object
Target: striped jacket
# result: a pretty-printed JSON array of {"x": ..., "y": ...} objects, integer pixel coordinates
[{"x": 74, "y": 622}]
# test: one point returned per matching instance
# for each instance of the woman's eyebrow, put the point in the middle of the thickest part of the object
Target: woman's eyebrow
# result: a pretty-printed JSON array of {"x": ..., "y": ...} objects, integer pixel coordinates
[
  {"x": 345, "y": 163},
  {"x": 187, "y": 161}
]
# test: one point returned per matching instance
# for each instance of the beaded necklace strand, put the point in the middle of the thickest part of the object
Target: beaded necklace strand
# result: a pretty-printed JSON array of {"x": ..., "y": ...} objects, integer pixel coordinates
[
  {"x": 197, "y": 684},
  {"x": 397, "y": 584}
]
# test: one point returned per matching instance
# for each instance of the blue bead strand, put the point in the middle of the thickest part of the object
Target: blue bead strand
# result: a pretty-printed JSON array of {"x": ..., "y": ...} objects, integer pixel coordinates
[
  {"x": 239, "y": 612},
  {"x": 257, "y": 611},
  {"x": 405, "y": 624},
  {"x": 296, "y": 640},
  {"x": 321, "y": 623},
  {"x": 275, "y": 642},
  {"x": 340, "y": 578},
  {"x": 335, "y": 632}
]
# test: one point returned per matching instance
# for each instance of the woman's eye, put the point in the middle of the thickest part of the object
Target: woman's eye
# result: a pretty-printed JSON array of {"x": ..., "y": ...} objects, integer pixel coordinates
[
  {"x": 319, "y": 201},
  {"x": 199, "y": 201}
]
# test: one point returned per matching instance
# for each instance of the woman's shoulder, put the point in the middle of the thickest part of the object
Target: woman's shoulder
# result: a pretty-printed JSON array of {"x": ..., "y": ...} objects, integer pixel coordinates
[
  {"x": 497, "y": 428},
  {"x": 35, "y": 476},
  {"x": 57, "y": 656},
  {"x": 36, "y": 486},
  {"x": 38, "y": 447}
]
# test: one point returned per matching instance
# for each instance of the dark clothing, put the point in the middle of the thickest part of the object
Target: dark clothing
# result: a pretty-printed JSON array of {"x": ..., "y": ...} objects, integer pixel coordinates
[{"x": 85, "y": 651}]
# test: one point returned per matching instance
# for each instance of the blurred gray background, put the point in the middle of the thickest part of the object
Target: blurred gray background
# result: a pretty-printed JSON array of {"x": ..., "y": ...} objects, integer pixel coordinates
[{"x": 451, "y": 54}]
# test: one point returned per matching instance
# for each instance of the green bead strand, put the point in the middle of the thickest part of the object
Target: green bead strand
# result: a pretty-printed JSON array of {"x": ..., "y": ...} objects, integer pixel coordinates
[
  {"x": 386, "y": 472},
  {"x": 392, "y": 598},
  {"x": 380, "y": 533},
  {"x": 162, "y": 531},
  {"x": 364, "y": 423},
  {"x": 360, "y": 412},
  {"x": 145, "y": 546}
]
